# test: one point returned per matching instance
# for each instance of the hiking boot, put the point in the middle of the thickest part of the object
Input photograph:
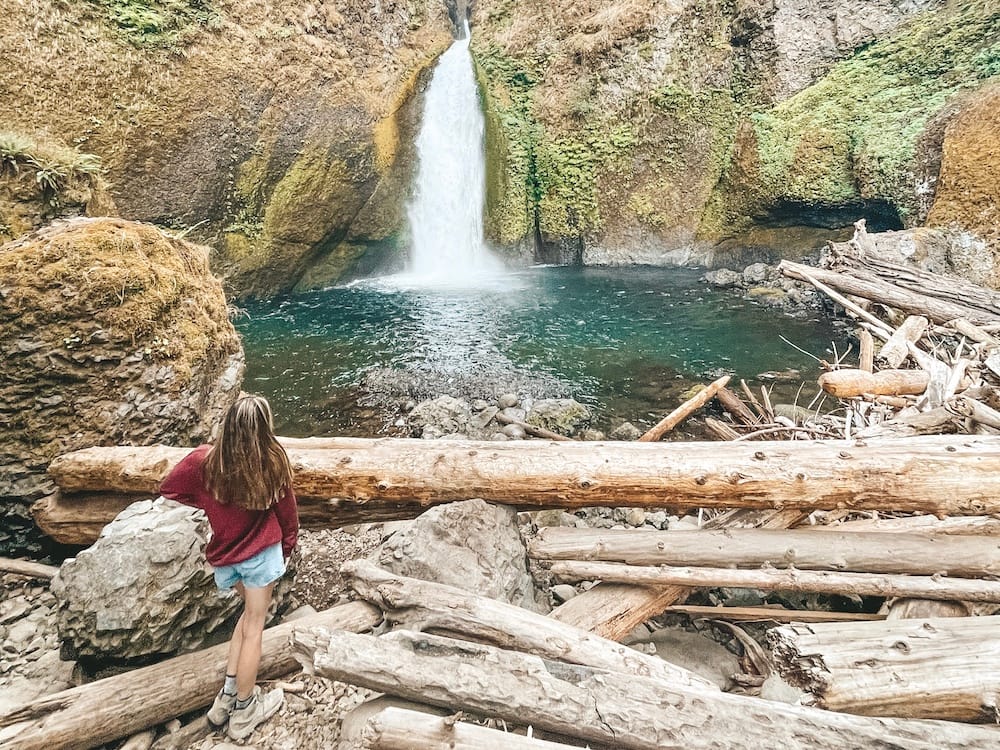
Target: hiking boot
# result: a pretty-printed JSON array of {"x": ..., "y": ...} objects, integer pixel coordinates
[
  {"x": 222, "y": 706},
  {"x": 242, "y": 721}
]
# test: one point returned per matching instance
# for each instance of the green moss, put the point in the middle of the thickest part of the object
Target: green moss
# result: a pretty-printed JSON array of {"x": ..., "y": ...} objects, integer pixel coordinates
[
  {"x": 159, "y": 23},
  {"x": 853, "y": 135}
]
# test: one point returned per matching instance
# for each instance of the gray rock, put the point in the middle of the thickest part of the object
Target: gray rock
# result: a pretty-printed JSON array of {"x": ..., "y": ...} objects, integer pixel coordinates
[
  {"x": 590, "y": 434},
  {"x": 564, "y": 416},
  {"x": 635, "y": 517},
  {"x": 144, "y": 587},
  {"x": 563, "y": 592},
  {"x": 700, "y": 654},
  {"x": 626, "y": 431},
  {"x": 473, "y": 545},
  {"x": 657, "y": 519},
  {"x": 757, "y": 273},
  {"x": 723, "y": 278},
  {"x": 775, "y": 688},
  {"x": 508, "y": 401},
  {"x": 514, "y": 432},
  {"x": 512, "y": 412},
  {"x": 440, "y": 416}
]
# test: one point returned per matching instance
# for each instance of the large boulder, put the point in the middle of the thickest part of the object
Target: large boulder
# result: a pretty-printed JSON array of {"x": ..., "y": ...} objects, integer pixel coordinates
[
  {"x": 111, "y": 332},
  {"x": 565, "y": 416},
  {"x": 144, "y": 588},
  {"x": 473, "y": 545}
]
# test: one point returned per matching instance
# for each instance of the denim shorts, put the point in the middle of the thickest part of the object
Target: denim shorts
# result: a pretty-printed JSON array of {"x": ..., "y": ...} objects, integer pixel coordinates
[{"x": 256, "y": 572}]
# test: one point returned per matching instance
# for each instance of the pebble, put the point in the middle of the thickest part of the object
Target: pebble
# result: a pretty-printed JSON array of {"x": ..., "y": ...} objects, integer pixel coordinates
[
  {"x": 508, "y": 401},
  {"x": 563, "y": 592}
]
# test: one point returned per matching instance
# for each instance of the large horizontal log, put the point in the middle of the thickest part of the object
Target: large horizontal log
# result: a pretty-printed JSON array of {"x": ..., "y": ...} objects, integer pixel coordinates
[
  {"x": 938, "y": 474},
  {"x": 942, "y": 668},
  {"x": 861, "y": 552},
  {"x": 765, "y": 614},
  {"x": 423, "y": 605},
  {"x": 127, "y": 703},
  {"x": 623, "y": 711},
  {"x": 850, "y": 383},
  {"x": 769, "y": 579},
  {"x": 402, "y": 729},
  {"x": 926, "y": 524}
]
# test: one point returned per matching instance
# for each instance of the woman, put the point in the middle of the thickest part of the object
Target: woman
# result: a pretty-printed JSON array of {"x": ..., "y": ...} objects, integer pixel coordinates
[{"x": 244, "y": 485}]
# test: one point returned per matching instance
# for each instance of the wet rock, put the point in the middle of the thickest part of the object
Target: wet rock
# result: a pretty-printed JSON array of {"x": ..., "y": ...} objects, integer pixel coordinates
[
  {"x": 625, "y": 431},
  {"x": 724, "y": 278},
  {"x": 508, "y": 401},
  {"x": 757, "y": 273},
  {"x": 444, "y": 415},
  {"x": 514, "y": 432},
  {"x": 473, "y": 545},
  {"x": 565, "y": 416},
  {"x": 144, "y": 588}
]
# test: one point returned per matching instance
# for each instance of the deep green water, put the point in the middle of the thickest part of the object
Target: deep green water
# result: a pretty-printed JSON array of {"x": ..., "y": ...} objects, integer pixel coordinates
[{"x": 628, "y": 341}]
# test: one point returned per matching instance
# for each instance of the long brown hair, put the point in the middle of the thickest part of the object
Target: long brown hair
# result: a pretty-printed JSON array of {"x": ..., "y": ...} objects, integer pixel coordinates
[{"x": 247, "y": 466}]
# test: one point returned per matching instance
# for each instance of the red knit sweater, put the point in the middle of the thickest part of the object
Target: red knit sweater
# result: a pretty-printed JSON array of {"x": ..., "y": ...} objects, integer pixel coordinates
[{"x": 237, "y": 533}]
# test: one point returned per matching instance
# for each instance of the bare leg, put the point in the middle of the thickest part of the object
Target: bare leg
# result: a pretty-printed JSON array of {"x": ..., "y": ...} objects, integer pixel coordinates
[
  {"x": 251, "y": 628},
  {"x": 236, "y": 642}
]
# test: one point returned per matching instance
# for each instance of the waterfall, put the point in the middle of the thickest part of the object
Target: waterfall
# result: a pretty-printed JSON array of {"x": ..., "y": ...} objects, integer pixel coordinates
[{"x": 446, "y": 211}]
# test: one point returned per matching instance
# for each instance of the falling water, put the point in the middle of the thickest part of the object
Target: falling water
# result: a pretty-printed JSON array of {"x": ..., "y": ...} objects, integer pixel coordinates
[{"x": 446, "y": 212}]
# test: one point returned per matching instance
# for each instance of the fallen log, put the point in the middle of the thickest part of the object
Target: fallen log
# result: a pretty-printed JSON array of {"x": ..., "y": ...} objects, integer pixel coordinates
[
  {"x": 764, "y": 614},
  {"x": 127, "y": 703},
  {"x": 850, "y": 383},
  {"x": 942, "y": 668},
  {"x": 928, "y": 524},
  {"x": 803, "y": 549},
  {"x": 910, "y": 422},
  {"x": 940, "y": 475},
  {"x": 403, "y": 729},
  {"x": 78, "y": 517},
  {"x": 613, "y": 610},
  {"x": 963, "y": 406},
  {"x": 423, "y": 605},
  {"x": 872, "y": 288},
  {"x": 28, "y": 569},
  {"x": 683, "y": 411},
  {"x": 770, "y": 579},
  {"x": 896, "y": 349},
  {"x": 623, "y": 711},
  {"x": 734, "y": 405}
]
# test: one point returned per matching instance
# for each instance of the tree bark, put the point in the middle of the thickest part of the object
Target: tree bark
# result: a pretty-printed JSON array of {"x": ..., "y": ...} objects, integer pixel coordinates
[
  {"x": 941, "y": 668},
  {"x": 803, "y": 549},
  {"x": 624, "y": 711},
  {"x": 865, "y": 584},
  {"x": 940, "y": 475},
  {"x": 683, "y": 411},
  {"x": 122, "y": 705},
  {"x": 850, "y": 383},
  {"x": 402, "y": 729},
  {"x": 422, "y": 605}
]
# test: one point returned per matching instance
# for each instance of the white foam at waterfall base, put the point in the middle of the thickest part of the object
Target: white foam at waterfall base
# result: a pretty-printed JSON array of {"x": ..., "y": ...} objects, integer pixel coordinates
[{"x": 446, "y": 212}]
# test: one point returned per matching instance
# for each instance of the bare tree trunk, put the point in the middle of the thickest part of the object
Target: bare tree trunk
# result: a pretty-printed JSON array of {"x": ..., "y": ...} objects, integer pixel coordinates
[
  {"x": 423, "y": 605},
  {"x": 769, "y": 579},
  {"x": 122, "y": 705},
  {"x": 624, "y": 711},
  {"x": 943, "y": 668},
  {"x": 861, "y": 552}
]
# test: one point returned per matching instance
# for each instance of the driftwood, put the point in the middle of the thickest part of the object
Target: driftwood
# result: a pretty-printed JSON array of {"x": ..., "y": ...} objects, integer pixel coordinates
[
  {"x": 940, "y": 475},
  {"x": 850, "y": 383},
  {"x": 963, "y": 406},
  {"x": 683, "y": 411},
  {"x": 927, "y": 524},
  {"x": 422, "y": 605},
  {"x": 765, "y": 614},
  {"x": 770, "y": 579},
  {"x": 866, "y": 355},
  {"x": 896, "y": 349},
  {"x": 939, "y": 310},
  {"x": 734, "y": 405},
  {"x": 623, "y": 711},
  {"x": 531, "y": 429},
  {"x": 615, "y": 609},
  {"x": 909, "y": 423},
  {"x": 27, "y": 569},
  {"x": 402, "y": 729},
  {"x": 943, "y": 668},
  {"x": 122, "y": 705},
  {"x": 862, "y": 552},
  {"x": 722, "y": 430}
]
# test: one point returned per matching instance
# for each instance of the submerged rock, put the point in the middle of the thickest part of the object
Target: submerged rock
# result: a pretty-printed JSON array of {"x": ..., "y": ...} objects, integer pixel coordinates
[
  {"x": 473, "y": 545},
  {"x": 144, "y": 588},
  {"x": 111, "y": 332}
]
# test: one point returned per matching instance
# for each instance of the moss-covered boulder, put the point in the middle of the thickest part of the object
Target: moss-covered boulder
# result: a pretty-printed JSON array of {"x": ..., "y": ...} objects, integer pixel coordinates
[
  {"x": 42, "y": 181},
  {"x": 111, "y": 332}
]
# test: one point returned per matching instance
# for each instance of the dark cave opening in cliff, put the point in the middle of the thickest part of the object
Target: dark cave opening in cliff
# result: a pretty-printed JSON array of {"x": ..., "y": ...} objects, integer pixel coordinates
[{"x": 880, "y": 216}]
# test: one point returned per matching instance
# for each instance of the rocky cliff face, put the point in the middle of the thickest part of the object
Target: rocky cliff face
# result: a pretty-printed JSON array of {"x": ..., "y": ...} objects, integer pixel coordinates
[
  {"x": 111, "y": 332},
  {"x": 651, "y": 131},
  {"x": 281, "y": 132}
]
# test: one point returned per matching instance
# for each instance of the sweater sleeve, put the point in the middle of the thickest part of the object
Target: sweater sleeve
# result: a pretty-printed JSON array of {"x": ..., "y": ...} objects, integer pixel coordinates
[
  {"x": 184, "y": 482},
  {"x": 287, "y": 512}
]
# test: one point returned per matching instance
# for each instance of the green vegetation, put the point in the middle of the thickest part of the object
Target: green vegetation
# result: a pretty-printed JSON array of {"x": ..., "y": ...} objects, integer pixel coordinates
[
  {"x": 159, "y": 23},
  {"x": 855, "y": 134},
  {"x": 54, "y": 167}
]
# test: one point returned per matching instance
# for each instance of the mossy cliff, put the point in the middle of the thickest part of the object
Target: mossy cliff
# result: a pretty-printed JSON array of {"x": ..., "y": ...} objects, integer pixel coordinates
[
  {"x": 280, "y": 134},
  {"x": 648, "y": 131}
]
